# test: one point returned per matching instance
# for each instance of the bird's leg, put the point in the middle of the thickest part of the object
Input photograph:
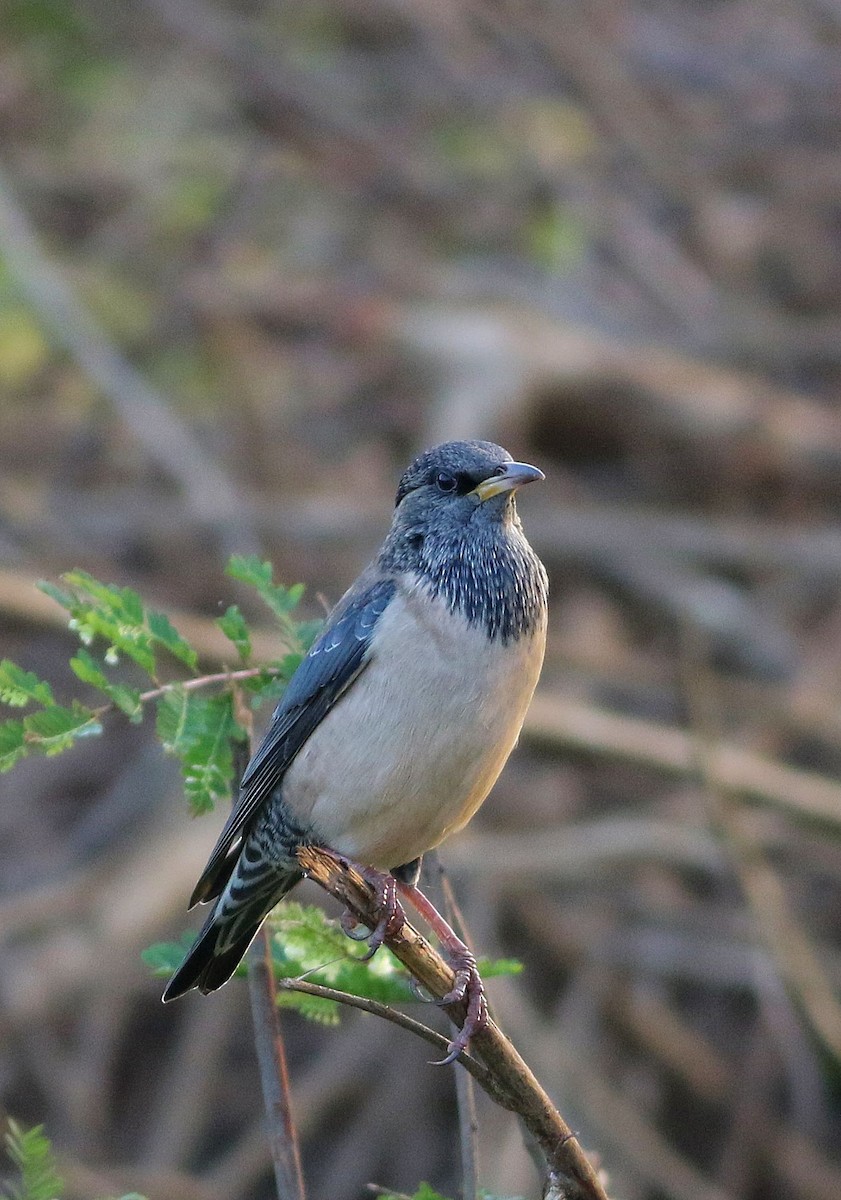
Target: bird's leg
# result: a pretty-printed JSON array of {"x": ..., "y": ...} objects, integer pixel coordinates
[
  {"x": 390, "y": 915},
  {"x": 468, "y": 984}
]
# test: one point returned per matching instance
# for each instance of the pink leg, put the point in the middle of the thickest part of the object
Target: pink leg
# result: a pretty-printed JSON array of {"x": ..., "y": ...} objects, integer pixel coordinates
[{"x": 468, "y": 984}]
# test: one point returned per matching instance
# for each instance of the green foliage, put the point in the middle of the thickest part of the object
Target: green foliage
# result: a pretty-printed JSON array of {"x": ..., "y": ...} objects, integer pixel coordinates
[
  {"x": 235, "y": 630},
  {"x": 251, "y": 569},
  {"x": 165, "y": 957},
  {"x": 280, "y": 600},
  {"x": 127, "y": 699},
  {"x": 306, "y": 942},
  {"x": 18, "y": 687},
  {"x": 49, "y": 730},
  {"x": 424, "y": 1192},
  {"x": 113, "y": 623},
  {"x": 200, "y": 731},
  {"x": 32, "y": 1154},
  {"x": 117, "y": 616},
  {"x": 167, "y": 635}
]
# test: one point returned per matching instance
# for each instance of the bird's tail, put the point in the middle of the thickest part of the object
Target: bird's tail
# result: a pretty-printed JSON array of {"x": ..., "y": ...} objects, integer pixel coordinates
[{"x": 230, "y": 929}]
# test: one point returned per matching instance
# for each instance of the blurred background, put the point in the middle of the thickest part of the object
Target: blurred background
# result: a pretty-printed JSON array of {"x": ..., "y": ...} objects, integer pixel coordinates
[{"x": 253, "y": 257}]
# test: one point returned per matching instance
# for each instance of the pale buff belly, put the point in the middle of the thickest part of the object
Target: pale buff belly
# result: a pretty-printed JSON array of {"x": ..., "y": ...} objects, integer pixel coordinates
[{"x": 410, "y": 752}]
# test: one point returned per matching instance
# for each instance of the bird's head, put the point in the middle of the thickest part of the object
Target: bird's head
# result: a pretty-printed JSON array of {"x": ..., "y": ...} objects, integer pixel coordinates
[
  {"x": 455, "y": 529},
  {"x": 453, "y": 490}
]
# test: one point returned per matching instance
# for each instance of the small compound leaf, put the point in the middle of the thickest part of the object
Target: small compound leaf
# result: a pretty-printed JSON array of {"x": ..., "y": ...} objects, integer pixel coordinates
[
  {"x": 165, "y": 957},
  {"x": 56, "y": 729},
  {"x": 235, "y": 630},
  {"x": 19, "y": 687},
  {"x": 258, "y": 574},
  {"x": 12, "y": 744},
  {"x": 127, "y": 699},
  {"x": 32, "y": 1154},
  {"x": 199, "y": 730},
  {"x": 163, "y": 631}
]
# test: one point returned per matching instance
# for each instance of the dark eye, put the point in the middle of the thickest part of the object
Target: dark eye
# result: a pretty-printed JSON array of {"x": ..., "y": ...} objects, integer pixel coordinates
[{"x": 446, "y": 482}]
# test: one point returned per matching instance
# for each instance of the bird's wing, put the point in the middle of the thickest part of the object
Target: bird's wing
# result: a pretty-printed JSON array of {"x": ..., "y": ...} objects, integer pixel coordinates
[{"x": 335, "y": 660}]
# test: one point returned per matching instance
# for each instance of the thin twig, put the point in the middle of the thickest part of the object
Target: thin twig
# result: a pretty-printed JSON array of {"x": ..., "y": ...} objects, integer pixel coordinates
[
  {"x": 471, "y": 1064},
  {"x": 468, "y": 1128},
  {"x": 201, "y": 681},
  {"x": 268, "y": 1040},
  {"x": 274, "y": 1076},
  {"x": 793, "y": 952},
  {"x": 511, "y": 1083},
  {"x": 562, "y": 721}
]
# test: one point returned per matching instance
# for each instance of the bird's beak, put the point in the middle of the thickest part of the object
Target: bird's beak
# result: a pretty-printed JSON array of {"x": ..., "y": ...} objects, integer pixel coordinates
[{"x": 513, "y": 477}]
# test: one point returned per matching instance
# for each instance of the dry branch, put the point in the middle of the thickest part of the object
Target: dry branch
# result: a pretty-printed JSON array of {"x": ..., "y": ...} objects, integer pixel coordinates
[{"x": 512, "y": 1084}]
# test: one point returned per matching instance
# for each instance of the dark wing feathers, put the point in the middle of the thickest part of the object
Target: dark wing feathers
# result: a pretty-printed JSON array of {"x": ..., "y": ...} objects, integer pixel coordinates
[{"x": 336, "y": 658}]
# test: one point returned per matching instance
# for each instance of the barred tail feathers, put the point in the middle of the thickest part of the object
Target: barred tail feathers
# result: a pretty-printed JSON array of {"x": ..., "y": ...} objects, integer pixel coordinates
[{"x": 231, "y": 927}]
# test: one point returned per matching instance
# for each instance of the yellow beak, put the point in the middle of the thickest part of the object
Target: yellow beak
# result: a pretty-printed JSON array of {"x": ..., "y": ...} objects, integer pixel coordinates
[{"x": 514, "y": 475}]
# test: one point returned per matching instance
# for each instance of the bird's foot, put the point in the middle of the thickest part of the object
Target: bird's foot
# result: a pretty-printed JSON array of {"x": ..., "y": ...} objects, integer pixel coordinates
[
  {"x": 390, "y": 915},
  {"x": 467, "y": 986},
  {"x": 469, "y": 989}
]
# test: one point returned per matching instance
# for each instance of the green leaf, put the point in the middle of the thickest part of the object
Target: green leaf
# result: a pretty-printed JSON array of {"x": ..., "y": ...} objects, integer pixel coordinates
[
  {"x": 305, "y": 941},
  {"x": 235, "y": 630},
  {"x": 124, "y": 603},
  {"x": 199, "y": 730},
  {"x": 424, "y": 1192},
  {"x": 258, "y": 574},
  {"x": 18, "y": 687},
  {"x": 113, "y": 614},
  {"x": 308, "y": 631},
  {"x": 166, "y": 957},
  {"x": 315, "y": 1008},
  {"x": 32, "y": 1154},
  {"x": 265, "y": 689},
  {"x": 63, "y": 598},
  {"x": 57, "y": 728},
  {"x": 164, "y": 631},
  {"x": 86, "y": 668},
  {"x": 12, "y": 745},
  {"x": 489, "y": 967}
]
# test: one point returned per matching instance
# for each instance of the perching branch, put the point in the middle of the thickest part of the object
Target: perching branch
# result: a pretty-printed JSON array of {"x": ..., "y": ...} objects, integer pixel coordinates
[
  {"x": 509, "y": 1082},
  {"x": 477, "y": 1069}
]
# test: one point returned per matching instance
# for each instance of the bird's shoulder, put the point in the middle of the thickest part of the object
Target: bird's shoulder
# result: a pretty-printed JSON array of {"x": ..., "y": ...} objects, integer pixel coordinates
[{"x": 332, "y": 663}]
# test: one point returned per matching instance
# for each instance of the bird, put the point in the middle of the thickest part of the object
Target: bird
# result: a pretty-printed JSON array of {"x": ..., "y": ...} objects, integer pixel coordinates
[{"x": 398, "y": 721}]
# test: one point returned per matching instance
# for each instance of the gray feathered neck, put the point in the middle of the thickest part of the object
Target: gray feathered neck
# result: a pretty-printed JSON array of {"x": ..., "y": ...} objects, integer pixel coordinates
[{"x": 484, "y": 570}]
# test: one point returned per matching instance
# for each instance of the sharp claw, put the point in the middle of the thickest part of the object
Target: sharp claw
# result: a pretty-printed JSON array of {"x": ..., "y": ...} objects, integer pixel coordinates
[
  {"x": 420, "y": 993},
  {"x": 468, "y": 986},
  {"x": 391, "y": 916},
  {"x": 352, "y": 928}
]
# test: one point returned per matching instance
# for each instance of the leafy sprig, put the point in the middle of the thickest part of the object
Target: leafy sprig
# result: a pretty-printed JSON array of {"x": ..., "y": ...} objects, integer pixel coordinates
[
  {"x": 196, "y": 715},
  {"x": 32, "y": 1155},
  {"x": 307, "y": 943}
]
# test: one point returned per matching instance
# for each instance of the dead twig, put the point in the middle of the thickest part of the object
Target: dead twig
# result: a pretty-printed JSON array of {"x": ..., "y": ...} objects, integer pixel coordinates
[
  {"x": 511, "y": 1083},
  {"x": 471, "y": 1064},
  {"x": 274, "y": 1075},
  {"x": 795, "y": 955},
  {"x": 559, "y": 721}
]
